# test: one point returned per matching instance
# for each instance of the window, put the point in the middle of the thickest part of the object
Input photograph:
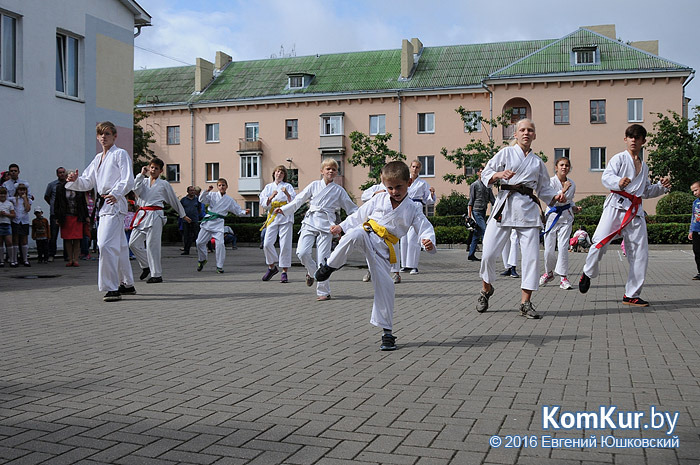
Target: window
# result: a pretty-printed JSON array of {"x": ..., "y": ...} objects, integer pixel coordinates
[
  {"x": 634, "y": 110},
  {"x": 212, "y": 172},
  {"x": 67, "y": 65},
  {"x": 472, "y": 121},
  {"x": 469, "y": 171},
  {"x": 427, "y": 165},
  {"x": 250, "y": 166},
  {"x": 173, "y": 135},
  {"x": 212, "y": 132},
  {"x": 561, "y": 153},
  {"x": 252, "y": 132},
  {"x": 293, "y": 177},
  {"x": 585, "y": 56},
  {"x": 331, "y": 125},
  {"x": 597, "y": 158},
  {"x": 597, "y": 111},
  {"x": 8, "y": 48},
  {"x": 296, "y": 82},
  {"x": 173, "y": 172},
  {"x": 254, "y": 207},
  {"x": 426, "y": 123},
  {"x": 291, "y": 129},
  {"x": 561, "y": 112},
  {"x": 377, "y": 124}
]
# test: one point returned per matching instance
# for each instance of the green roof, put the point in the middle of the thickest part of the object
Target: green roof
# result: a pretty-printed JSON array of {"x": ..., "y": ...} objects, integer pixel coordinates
[{"x": 378, "y": 71}]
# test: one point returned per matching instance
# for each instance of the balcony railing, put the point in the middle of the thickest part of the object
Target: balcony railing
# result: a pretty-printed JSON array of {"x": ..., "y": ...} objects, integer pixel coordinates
[
  {"x": 249, "y": 145},
  {"x": 334, "y": 142}
]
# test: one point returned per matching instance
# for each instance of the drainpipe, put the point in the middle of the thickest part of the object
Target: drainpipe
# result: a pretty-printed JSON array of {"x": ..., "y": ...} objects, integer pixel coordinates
[
  {"x": 490, "y": 107},
  {"x": 398, "y": 95},
  {"x": 687, "y": 81},
  {"x": 189, "y": 107}
]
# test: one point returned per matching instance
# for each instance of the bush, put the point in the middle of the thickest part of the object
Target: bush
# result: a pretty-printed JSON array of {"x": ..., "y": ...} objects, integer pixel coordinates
[
  {"x": 676, "y": 203},
  {"x": 454, "y": 204},
  {"x": 592, "y": 206},
  {"x": 451, "y": 234},
  {"x": 668, "y": 233},
  {"x": 452, "y": 220}
]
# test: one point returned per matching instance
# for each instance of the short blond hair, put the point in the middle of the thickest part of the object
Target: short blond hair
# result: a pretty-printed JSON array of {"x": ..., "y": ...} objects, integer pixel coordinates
[{"x": 329, "y": 162}]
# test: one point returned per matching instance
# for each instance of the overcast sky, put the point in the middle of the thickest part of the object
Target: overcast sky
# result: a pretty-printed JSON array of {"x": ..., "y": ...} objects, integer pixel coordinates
[{"x": 248, "y": 30}]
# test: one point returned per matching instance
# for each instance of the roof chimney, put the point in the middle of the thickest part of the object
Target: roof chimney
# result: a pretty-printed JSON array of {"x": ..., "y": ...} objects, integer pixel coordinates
[
  {"x": 203, "y": 74},
  {"x": 417, "y": 45},
  {"x": 607, "y": 30},
  {"x": 651, "y": 46},
  {"x": 406, "y": 59},
  {"x": 221, "y": 61}
]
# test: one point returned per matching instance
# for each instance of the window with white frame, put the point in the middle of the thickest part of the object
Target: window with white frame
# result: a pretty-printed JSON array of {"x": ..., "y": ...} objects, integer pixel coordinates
[
  {"x": 296, "y": 82},
  {"x": 173, "y": 135},
  {"x": 561, "y": 153},
  {"x": 253, "y": 206},
  {"x": 212, "y": 132},
  {"x": 67, "y": 53},
  {"x": 597, "y": 158},
  {"x": 597, "y": 111},
  {"x": 427, "y": 167},
  {"x": 331, "y": 125},
  {"x": 377, "y": 124},
  {"x": 635, "y": 112},
  {"x": 250, "y": 166},
  {"x": 291, "y": 129},
  {"x": 472, "y": 121},
  {"x": 561, "y": 112},
  {"x": 212, "y": 170},
  {"x": 585, "y": 55},
  {"x": 426, "y": 123},
  {"x": 8, "y": 48},
  {"x": 252, "y": 132},
  {"x": 172, "y": 172}
]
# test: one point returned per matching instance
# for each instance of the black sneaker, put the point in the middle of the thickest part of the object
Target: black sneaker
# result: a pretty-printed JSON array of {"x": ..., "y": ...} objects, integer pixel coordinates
[
  {"x": 584, "y": 283},
  {"x": 528, "y": 311},
  {"x": 696, "y": 277},
  {"x": 506, "y": 272},
  {"x": 145, "y": 273},
  {"x": 513, "y": 273},
  {"x": 112, "y": 296},
  {"x": 405, "y": 269},
  {"x": 324, "y": 271},
  {"x": 483, "y": 303},
  {"x": 124, "y": 290},
  {"x": 155, "y": 279},
  {"x": 388, "y": 342},
  {"x": 200, "y": 265},
  {"x": 473, "y": 258},
  {"x": 634, "y": 301}
]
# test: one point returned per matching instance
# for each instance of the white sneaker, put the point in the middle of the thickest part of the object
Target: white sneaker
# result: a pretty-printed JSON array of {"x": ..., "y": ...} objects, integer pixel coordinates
[
  {"x": 413, "y": 271},
  {"x": 397, "y": 278},
  {"x": 545, "y": 278},
  {"x": 367, "y": 278},
  {"x": 565, "y": 284}
]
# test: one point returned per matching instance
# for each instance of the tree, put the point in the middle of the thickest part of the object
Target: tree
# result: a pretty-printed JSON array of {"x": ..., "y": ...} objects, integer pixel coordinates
[
  {"x": 674, "y": 148},
  {"x": 142, "y": 138},
  {"x": 477, "y": 151},
  {"x": 372, "y": 152}
]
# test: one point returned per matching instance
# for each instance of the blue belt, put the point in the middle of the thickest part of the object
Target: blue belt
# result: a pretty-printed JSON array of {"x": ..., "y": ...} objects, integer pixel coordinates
[{"x": 558, "y": 210}]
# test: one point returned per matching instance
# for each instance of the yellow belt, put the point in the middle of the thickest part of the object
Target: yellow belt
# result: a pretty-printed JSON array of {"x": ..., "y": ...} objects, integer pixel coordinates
[
  {"x": 271, "y": 213},
  {"x": 381, "y": 231}
]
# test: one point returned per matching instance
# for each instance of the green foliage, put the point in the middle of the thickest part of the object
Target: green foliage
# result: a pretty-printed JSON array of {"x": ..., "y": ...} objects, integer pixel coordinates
[
  {"x": 372, "y": 152},
  {"x": 448, "y": 220},
  {"x": 451, "y": 234},
  {"x": 454, "y": 204},
  {"x": 142, "y": 138},
  {"x": 592, "y": 206},
  {"x": 676, "y": 203},
  {"x": 668, "y": 233},
  {"x": 675, "y": 149}
]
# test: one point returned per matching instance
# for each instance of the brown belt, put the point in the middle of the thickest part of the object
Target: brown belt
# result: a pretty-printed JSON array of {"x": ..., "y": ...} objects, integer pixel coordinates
[{"x": 520, "y": 189}]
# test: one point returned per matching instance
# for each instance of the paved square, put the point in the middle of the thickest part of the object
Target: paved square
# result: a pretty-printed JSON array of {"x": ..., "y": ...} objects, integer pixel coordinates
[{"x": 210, "y": 368}]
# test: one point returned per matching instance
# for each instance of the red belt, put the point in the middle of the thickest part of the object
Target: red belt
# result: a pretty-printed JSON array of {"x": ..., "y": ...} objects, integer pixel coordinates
[
  {"x": 144, "y": 210},
  {"x": 631, "y": 213}
]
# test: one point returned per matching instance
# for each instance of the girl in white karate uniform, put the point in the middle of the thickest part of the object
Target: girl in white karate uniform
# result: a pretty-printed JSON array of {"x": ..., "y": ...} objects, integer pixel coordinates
[{"x": 277, "y": 194}]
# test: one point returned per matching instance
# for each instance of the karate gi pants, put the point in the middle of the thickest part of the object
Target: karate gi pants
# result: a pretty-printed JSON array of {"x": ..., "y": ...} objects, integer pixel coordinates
[
  {"x": 203, "y": 238},
  {"x": 114, "y": 267},
  {"x": 511, "y": 252},
  {"x": 284, "y": 231},
  {"x": 305, "y": 246},
  {"x": 553, "y": 260},
  {"x": 410, "y": 249},
  {"x": 145, "y": 244},
  {"x": 376, "y": 252},
  {"x": 526, "y": 238},
  {"x": 636, "y": 244}
]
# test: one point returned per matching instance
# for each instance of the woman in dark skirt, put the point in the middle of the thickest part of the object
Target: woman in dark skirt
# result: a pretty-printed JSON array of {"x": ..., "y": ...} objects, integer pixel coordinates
[{"x": 72, "y": 215}]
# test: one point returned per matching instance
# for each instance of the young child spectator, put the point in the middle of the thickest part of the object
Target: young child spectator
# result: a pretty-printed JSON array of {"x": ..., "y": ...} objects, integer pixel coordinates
[
  {"x": 627, "y": 177},
  {"x": 7, "y": 213},
  {"x": 560, "y": 218},
  {"x": 277, "y": 194},
  {"x": 375, "y": 229},
  {"x": 20, "y": 225},
  {"x": 579, "y": 242},
  {"x": 41, "y": 234},
  {"x": 325, "y": 198},
  {"x": 212, "y": 226},
  {"x": 694, "y": 234},
  {"x": 147, "y": 224},
  {"x": 71, "y": 211}
]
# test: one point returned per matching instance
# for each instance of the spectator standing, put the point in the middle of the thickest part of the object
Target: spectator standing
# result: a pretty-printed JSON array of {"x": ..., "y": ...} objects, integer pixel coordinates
[
  {"x": 72, "y": 214},
  {"x": 7, "y": 212},
  {"x": 50, "y": 198},
  {"x": 40, "y": 234},
  {"x": 479, "y": 198},
  {"x": 190, "y": 230}
]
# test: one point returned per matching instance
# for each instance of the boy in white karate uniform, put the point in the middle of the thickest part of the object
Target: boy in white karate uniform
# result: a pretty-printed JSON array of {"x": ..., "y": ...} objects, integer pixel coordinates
[
  {"x": 111, "y": 174},
  {"x": 326, "y": 197},
  {"x": 557, "y": 231},
  {"x": 420, "y": 192},
  {"x": 277, "y": 194},
  {"x": 212, "y": 225},
  {"x": 627, "y": 177},
  {"x": 522, "y": 174},
  {"x": 147, "y": 224},
  {"x": 375, "y": 229}
]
